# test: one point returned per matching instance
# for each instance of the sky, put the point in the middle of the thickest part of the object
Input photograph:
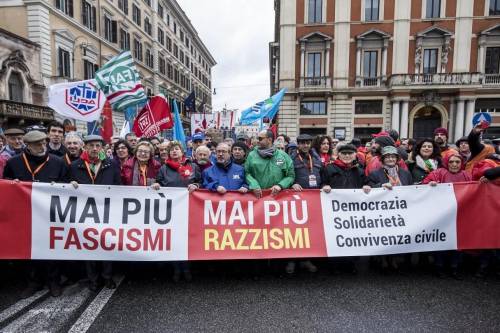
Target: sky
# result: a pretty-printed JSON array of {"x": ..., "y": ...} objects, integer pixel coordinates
[{"x": 237, "y": 33}]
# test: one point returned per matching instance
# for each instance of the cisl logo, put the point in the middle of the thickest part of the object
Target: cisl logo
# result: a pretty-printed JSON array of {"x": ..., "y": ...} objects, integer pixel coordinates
[{"x": 84, "y": 98}]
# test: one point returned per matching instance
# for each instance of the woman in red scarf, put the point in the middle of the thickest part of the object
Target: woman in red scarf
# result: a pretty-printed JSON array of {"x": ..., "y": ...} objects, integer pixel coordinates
[
  {"x": 142, "y": 169},
  {"x": 323, "y": 146},
  {"x": 178, "y": 171}
]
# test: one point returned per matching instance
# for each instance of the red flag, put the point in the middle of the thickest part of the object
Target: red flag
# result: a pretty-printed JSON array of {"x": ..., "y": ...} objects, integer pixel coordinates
[
  {"x": 153, "y": 118},
  {"x": 274, "y": 129},
  {"x": 107, "y": 122}
]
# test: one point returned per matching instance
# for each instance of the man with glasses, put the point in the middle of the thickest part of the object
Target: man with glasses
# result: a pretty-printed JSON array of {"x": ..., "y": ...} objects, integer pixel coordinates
[
  {"x": 267, "y": 167},
  {"x": 225, "y": 175}
]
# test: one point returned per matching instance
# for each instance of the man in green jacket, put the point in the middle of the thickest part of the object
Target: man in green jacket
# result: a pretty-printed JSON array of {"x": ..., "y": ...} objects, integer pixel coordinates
[{"x": 267, "y": 167}]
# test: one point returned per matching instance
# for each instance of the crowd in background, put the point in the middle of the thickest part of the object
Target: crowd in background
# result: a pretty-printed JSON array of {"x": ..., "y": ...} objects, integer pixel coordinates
[{"x": 253, "y": 165}]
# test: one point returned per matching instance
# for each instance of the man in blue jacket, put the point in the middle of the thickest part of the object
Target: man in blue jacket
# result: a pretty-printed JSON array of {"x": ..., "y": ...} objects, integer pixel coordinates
[{"x": 225, "y": 175}]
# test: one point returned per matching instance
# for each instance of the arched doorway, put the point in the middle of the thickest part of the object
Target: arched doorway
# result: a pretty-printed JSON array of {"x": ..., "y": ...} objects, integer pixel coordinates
[{"x": 425, "y": 121}]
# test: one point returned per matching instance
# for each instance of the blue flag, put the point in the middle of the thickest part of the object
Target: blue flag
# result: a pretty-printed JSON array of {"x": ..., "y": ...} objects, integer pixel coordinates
[
  {"x": 267, "y": 108},
  {"x": 189, "y": 103},
  {"x": 178, "y": 129}
]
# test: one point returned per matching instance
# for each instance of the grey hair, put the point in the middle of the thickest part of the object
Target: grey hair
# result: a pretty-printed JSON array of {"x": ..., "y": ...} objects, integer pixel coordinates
[{"x": 74, "y": 135}]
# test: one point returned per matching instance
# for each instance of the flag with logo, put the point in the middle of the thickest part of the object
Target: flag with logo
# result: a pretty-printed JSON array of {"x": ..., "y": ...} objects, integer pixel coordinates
[
  {"x": 265, "y": 109},
  {"x": 81, "y": 100},
  {"x": 120, "y": 82},
  {"x": 153, "y": 118},
  {"x": 190, "y": 102}
]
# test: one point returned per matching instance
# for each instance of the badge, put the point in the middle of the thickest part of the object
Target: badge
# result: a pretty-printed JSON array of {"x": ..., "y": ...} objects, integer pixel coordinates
[
  {"x": 236, "y": 176},
  {"x": 312, "y": 181},
  {"x": 280, "y": 162},
  {"x": 187, "y": 172}
]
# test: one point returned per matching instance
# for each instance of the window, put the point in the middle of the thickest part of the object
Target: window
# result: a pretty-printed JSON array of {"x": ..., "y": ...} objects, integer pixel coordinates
[
  {"x": 148, "y": 2},
  {"x": 161, "y": 36},
  {"x": 370, "y": 61},
  {"x": 149, "y": 57},
  {"x": 491, "y": 105},
  {"x": 372, "y": 10},
  {"x": 15, "y": 87},
  {"x": 365, "y": 133},
  {"x": 314, "y": 64},
  {"x": 136, "y": 15},
  {"x": 162, "y": 65},
  {"x": 170, "y": 72},
  {"x": 187, "y": 62},
  {"x": 63, "y": 65},
  {"x": 494, "y": 7},
  {"x": 430, "y": 61},
  {"x": 89, "y": 16},
  {"x": 176, "y": 51},
  {"x": 66, "y": 6},
  {"x": 124, "y": 40},
  {"x": 160, "y": 11},
  {"x": 368, "y": 107},
  {"x": 147, "y": 26},
  {"x": 186, "y": 41},
  {"x": 182, "y": 36},
  {"x": 175, "y": 28},
  {"x": 89, "y": 70},
  {"x": 433, "y": 8},
  {"x": 168, "y": 20},
  {"x": 169, "y": 44},
  {"x": 110, "y": 29},
  {"x": 181, "y": 56},
  {"x": 492, "y": 65},
  {"x": 313, "y": 108},
  {"x": 176, "y": 76},
  {"x": 137, "y": 50},
  {"x": 123, "y": 5},
  {"x": 315, "y": 9}
]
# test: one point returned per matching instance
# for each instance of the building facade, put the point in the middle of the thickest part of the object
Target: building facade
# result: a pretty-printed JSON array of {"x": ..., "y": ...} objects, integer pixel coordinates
[
  {"x": 355, "y": 67},
  {"x": 76, "y": 37}
]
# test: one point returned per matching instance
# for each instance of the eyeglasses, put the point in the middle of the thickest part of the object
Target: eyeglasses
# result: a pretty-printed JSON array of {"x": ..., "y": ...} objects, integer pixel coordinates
[
  {"x": 143, "y": 152},
  {"x": 347, "y": 153}
]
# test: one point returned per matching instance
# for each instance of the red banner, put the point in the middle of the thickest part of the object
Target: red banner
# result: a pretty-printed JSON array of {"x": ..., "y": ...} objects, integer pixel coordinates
[{"x": 153, "y": 118}]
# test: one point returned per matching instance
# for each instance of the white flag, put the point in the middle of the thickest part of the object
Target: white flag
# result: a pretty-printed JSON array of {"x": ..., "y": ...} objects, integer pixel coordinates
[
  {"x": 80, "y": 100},
  {"x": 125, "y": 129}
]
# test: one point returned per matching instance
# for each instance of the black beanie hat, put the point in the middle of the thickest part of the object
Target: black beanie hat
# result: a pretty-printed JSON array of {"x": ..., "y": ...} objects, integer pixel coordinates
[{"x": 384, "y": 141}]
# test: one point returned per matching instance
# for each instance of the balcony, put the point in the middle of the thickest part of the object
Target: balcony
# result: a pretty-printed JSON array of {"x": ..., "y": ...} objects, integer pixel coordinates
[
  {"x": 369, "y": 81},
  {"x": 25, "y": 111},
  {"x": 491, "y": 79},
  {"x": 444, "y": 79},
  {"x": 315, "y": 83}
]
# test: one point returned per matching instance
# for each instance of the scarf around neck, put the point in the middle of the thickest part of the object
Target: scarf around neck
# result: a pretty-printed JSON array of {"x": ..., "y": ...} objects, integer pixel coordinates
[
  {"x": 184, "y": 169},
  {"x": 428, "y": 165},
  {"x": 266, "y": 152}
]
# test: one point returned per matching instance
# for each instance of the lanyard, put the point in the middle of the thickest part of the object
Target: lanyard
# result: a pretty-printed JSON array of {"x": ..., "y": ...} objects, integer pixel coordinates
[
  {"x": 37, "y": 170},
  {"x": 66, "y": 157},
  {"x": 310, "y": 162},
  {"x": 392, "y": 180},
  {"x": 143, "y": 173},
  {"x": 92, "y": 177}
]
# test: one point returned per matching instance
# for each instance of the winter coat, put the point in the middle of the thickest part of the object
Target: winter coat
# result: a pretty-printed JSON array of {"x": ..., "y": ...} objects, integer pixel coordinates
[
  {"x": 264, "y": 173},
  {"x": 417, "y": 173},
  {"x": 58, "y": 152},
  {"x": 488, "y": 168},
  {"x": 5, "y": 154},
  {"x": 343, "y": 178},
  {"x": 168, "y": 177},
  {"x": 127, "y": 172},
  {"x": 442, "y": 175},
  {"x": 302, "y": 171},
  {"x": 54, "y": 171},
  {"x": 108, "y": 173},
  {"x": 378, "y": 178},
  {"x": 231, "y": 177}
]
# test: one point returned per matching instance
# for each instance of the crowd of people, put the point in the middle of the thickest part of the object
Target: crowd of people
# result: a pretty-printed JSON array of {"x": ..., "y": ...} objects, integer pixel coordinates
[{"x": 248, "y": 165}]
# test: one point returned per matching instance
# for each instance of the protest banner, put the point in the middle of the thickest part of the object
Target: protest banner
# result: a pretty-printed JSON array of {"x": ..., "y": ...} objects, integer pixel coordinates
[{"x": 96, "y": 222}]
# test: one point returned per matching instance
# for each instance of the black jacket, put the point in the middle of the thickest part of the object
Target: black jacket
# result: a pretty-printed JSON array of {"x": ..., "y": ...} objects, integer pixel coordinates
[
  {"x": 59, "y": 152},
  {"x": 340, "y": 178},
  {"x": 378, "y": 177},
  {"x": 302, "y": 171},
  {"x": 108, "y": 173},
  {"x": 417, "y": 173},
  {"x": 54, "y": 171},
  {"x": 168, "y": 177}
]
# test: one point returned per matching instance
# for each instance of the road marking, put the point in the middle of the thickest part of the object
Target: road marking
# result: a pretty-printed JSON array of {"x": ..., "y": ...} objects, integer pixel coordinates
[
  {"x": 21, "y": 305},
  {"x": 52, "y": 314},
  {"x": 88, "y": 316}
]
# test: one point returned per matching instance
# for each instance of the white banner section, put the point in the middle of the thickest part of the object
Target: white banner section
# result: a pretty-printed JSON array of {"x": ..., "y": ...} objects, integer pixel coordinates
[
  {"x": 405, "y": 219},
  {"x": 96, "y": 222}
]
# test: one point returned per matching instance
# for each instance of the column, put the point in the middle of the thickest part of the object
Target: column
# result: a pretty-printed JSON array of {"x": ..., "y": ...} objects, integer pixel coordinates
[
  {"x": 404, "y": 120},
  {"x": 395, "y": 116},
  {"x": 327, "y": 63},
  {"x": 469, "y": 114},
  {"x": 481, "y": 56},
  {"x": 384, "y": 61},
  {"x": 302, "y": 60},
  {"x": 358, "y": 61},
  {"x": 459, "y": 119}
]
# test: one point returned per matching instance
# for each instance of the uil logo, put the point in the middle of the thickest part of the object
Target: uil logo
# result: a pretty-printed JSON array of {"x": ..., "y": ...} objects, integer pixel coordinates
[{"x": 84, "y": 98}]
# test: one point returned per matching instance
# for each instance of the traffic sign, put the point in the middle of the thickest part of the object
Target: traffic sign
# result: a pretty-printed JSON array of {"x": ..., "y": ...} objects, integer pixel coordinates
[{"x": 481, "y": 117}]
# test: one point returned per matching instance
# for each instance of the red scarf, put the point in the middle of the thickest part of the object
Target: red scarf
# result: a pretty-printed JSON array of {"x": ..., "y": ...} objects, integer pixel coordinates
[
  {"x": 342, "y": 165},
  {"x": 85, "y": 156},
  {"x": 184, "y": 169},
  {"x": 325, "y": 158}
]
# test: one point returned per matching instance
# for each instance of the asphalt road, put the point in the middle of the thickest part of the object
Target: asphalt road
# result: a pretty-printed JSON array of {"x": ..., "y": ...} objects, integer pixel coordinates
[{"x": 147, "y": 301}]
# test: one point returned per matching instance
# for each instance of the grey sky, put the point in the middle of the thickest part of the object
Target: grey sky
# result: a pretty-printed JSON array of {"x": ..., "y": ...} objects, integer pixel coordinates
[{"x": 237, "y": 33}]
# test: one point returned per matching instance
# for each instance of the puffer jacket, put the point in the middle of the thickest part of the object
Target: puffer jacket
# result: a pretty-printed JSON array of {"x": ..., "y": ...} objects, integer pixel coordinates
[
  {"x": 264, "y": 173},
  {"x": 231, "y": 177}
]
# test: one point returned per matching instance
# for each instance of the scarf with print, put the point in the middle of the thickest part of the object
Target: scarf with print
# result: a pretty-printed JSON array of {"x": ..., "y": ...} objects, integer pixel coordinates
[{"x": 184, "y": 169}]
